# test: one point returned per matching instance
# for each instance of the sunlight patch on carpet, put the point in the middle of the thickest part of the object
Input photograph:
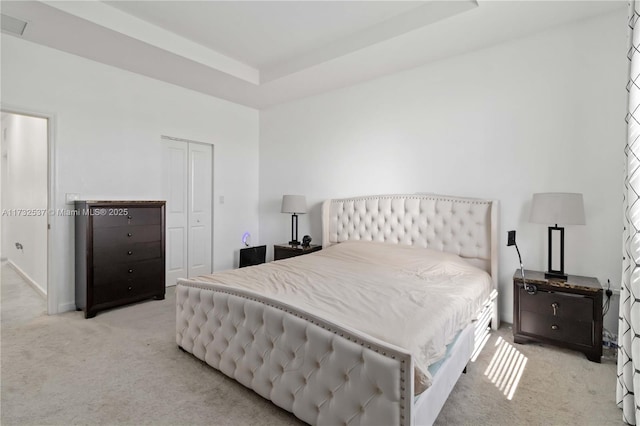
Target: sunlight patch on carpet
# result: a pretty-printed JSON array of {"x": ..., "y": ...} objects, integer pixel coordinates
[
  {"x": 506, "y": 367},
  {"x": 481, "y": 338}
]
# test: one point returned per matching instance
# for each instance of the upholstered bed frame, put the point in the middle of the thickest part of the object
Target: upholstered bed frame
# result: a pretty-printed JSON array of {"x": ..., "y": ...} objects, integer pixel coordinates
[{"x": 330, "y": 374}]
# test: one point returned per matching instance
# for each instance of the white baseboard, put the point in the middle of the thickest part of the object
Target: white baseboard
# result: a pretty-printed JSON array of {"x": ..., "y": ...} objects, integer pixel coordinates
[
  {"x": 66, "y": 307},
  {"x": 28, "y": 279}
]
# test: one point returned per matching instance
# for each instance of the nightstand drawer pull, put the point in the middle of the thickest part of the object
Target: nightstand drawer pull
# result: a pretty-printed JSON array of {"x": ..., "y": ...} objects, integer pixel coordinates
[
  {"x": 555, "y": 306},
  {"x": 554, "y": 327}
]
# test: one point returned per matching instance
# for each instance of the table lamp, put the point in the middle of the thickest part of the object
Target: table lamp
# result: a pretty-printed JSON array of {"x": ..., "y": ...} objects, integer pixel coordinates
[
  {"x": 557, "y": 208},
  {"x": 295, "y": 204}
]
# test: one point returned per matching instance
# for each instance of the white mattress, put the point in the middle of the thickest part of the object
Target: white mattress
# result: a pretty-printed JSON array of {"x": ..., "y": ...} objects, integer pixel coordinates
[{"x": 415, "y": 298}]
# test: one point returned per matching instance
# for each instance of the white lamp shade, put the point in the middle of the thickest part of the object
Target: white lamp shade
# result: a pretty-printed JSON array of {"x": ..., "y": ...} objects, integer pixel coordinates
[
  {"x": 294, "y": 204},
  {"x": 560, "y": 208}
]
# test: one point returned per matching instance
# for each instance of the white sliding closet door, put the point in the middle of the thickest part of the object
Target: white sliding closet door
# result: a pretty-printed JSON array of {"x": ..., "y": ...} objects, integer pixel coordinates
[
  {"x": 188, "y": 190},
  {"x": 199, "y": 254}
]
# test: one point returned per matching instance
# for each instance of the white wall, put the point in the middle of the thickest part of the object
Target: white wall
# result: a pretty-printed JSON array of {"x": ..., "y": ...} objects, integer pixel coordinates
[
  {"x": 24, "y": 195},
  {"x": 107, "y": 129},
  {"x": 539, "y": 114}
]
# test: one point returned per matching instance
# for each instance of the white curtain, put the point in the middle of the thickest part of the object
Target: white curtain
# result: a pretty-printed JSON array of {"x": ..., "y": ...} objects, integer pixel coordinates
[{"x": 628, "y": 388}]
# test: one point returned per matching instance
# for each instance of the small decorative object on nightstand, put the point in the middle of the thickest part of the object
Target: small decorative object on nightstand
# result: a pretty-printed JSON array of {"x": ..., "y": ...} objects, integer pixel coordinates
[
  {"x": 563, "y": 313},
  {"x": 285, "y": 251}
]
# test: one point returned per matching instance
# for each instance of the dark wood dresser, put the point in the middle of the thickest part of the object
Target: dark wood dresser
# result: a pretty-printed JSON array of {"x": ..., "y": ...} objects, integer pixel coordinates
[
  {"x": 120, "y": 253},
  {"x": 285, "y": 251},
  {"x": 563, "y": 313}
]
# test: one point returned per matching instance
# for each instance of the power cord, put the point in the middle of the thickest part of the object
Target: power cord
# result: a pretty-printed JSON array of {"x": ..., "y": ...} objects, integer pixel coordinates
[
  {"x": 608, "y": 292},
  {"x": 608, "y": 338},
  {"x": 511, "y": 241}
]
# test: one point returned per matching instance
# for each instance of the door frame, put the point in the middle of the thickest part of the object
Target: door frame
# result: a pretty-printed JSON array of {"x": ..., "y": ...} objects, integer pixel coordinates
[
  {"x": 213, "y": 168},
  {"x": 52, "y": 289}
]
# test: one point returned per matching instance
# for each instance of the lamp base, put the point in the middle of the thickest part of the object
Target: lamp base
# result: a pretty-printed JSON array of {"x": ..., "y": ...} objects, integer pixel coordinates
[
  {"x": 557, "y": 275},
  {"x": 294, "y": 243}
]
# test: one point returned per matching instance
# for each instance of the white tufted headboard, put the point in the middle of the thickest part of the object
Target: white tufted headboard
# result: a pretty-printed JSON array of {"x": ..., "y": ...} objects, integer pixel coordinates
[{"x": 464, "y": 226}]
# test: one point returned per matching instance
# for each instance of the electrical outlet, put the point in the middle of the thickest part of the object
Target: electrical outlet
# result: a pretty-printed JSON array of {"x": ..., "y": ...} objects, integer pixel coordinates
[{"x": 511, "y": 238}]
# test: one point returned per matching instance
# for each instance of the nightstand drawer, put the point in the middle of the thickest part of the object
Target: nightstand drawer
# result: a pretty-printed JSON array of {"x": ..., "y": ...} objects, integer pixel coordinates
[
  {"x": 575, "y": 307},
  {"x": 281, "y": 251},
  {"x": 285, "y": 254},
  {"x": 577, "y": 332}
]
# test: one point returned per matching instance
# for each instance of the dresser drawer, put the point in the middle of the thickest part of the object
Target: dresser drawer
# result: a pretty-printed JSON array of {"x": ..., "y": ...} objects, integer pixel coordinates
[
  {"x": 128, "y": 253},
  {"x": 123, "y": 290},
  {"x": 114, "y": 272},
  {"x": 123, "y": 216},
  {"x": 577, "y": 332},
  {"x": 567, "y": 306},
  {"x": 122, "y": 235}
]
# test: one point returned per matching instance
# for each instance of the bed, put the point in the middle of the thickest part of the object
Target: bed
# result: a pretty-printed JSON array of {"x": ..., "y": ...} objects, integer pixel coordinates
[{"x": 305, "y": 332}]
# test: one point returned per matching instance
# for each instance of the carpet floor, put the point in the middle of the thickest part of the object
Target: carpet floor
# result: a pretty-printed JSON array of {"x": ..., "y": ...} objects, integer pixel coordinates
[{"x": 123, "y": 368}]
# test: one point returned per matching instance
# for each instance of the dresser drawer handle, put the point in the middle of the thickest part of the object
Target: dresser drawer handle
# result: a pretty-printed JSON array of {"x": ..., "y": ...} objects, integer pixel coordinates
[
  {"x": 129, "y": 252},
  {"x": 555, "y": 327},
  {"x": 130, "y": 287},
  {"x": 129, "y": 234},
  {"x": 555, "y": 307},
  {"x": 130, "y": 271}
]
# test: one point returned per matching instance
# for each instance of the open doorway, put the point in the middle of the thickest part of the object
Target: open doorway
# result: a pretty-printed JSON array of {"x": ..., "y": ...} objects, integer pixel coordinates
[{"x": 24, "y": 203}]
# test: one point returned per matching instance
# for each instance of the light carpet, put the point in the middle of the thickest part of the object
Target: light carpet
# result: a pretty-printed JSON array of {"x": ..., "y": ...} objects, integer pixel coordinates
[{"x": 123, "y": 368}]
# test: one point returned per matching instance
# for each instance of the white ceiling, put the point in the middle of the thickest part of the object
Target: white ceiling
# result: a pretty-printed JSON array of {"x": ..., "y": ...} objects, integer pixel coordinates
[
  {"x": 261, "y": 34},
  {"x": 262, "y": 53}
]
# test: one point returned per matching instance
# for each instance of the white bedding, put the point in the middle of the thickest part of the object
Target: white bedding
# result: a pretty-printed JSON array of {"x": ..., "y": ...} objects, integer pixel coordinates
[{"x": 415, "y": 298}]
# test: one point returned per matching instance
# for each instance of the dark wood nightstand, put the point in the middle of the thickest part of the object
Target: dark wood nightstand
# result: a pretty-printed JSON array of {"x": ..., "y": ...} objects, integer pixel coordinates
[
  {"x": 285, "y": 251},
  {"x": 563, "y": 313}
]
